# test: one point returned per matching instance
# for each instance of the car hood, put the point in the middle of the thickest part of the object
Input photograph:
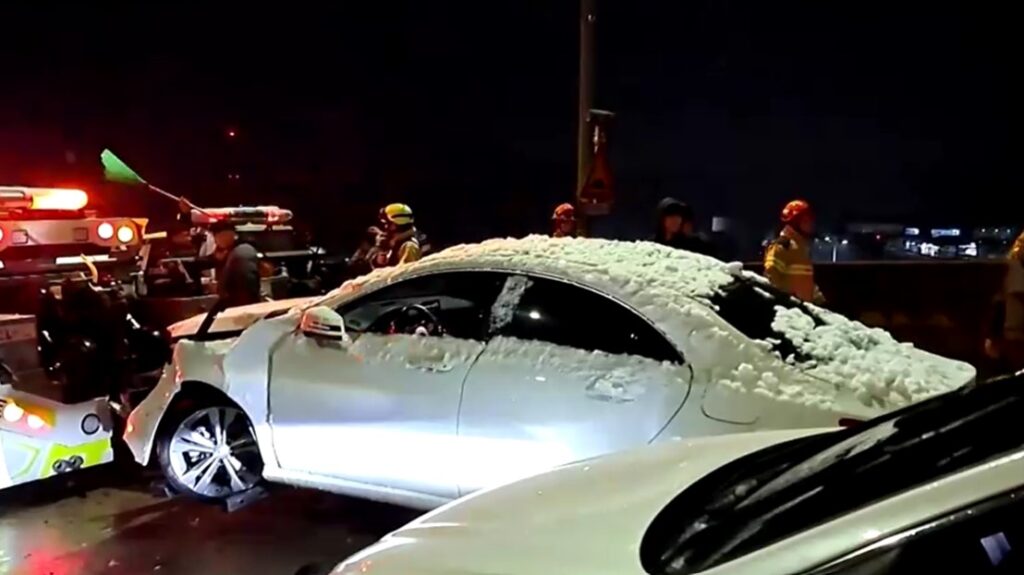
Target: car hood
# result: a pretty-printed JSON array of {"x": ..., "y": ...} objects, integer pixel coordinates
[
  {"x": 236, "y": 319},
  {"x": 588, "y": 517}
]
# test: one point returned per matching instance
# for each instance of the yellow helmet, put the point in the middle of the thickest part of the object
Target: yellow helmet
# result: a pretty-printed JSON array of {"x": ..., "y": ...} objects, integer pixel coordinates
[{"x": 397, "y": 214}]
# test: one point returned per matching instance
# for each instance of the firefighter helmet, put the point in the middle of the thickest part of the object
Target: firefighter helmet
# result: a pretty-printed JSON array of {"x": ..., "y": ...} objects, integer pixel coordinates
[
  {"x": 795, "y": 211},
  {"x": 397, "y": 215},
  {"x": 564, "y": 213}
]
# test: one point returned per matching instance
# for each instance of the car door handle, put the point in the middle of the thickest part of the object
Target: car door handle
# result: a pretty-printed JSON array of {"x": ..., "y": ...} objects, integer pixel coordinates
[{"x": 431, "y": 366}]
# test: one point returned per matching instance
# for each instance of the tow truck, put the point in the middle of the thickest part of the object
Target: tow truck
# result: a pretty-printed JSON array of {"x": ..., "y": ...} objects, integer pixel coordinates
[
  {"x": 68, "y": 344},
  {"x": 176, "y": 286}
]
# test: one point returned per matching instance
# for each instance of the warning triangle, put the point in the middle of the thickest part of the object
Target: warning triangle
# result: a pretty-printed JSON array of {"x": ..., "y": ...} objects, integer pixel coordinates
[{"x": 597, "y": 194}]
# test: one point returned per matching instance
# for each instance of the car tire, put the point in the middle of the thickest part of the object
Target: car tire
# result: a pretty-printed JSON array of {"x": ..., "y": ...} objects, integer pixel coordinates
[{"x": 208, "y": 451}]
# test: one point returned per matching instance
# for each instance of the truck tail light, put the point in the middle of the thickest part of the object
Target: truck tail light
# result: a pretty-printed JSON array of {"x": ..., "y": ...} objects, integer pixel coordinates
[
  {"x": 105, "y": 231},
  {"x": 13, "y": 412},
  {"x": 125, "y": 234}
]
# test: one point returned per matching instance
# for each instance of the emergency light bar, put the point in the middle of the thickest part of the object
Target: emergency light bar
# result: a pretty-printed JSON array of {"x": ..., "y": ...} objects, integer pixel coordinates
[
  {"x": 61, "y": 199},
  {"x": 242, "y": 215}
]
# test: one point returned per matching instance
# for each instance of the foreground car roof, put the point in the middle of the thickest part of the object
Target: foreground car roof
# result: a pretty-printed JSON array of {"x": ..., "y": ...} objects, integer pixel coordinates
[
  {"x": 724, "y": 505},
  {"x": 587, "y": 517}
]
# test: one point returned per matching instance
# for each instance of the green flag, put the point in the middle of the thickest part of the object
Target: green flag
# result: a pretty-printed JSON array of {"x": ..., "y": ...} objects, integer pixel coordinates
[{"x": 115, "y": 170}]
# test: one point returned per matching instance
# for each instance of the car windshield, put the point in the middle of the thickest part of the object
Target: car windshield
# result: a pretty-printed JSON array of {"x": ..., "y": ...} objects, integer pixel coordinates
[
  {"x": 750, "y": 306},
  {"x": 787, "y": 488}
]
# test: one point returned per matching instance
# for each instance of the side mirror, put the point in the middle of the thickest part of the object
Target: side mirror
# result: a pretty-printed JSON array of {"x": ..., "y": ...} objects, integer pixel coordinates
[{"x": 322, "y": 322}]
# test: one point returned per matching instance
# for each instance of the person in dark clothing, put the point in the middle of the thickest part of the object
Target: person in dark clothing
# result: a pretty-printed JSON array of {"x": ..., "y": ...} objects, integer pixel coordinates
[
  {"x": 361, "y": 261},
  {"x": 238, "y": 272},
  {"x": 675, "y": 228}
]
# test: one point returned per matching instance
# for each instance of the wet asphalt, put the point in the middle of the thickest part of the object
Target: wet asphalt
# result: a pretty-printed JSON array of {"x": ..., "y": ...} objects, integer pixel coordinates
[{"x": 116, "y": 521}]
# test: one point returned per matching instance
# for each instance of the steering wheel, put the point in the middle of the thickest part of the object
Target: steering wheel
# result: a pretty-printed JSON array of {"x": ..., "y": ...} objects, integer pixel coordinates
[{"x": 416, "y": 319}]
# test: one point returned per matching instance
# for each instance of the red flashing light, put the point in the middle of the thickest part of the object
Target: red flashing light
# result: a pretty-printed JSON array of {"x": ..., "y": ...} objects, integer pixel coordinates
[
  {"x": 63, "y": 199},
  {"x": 58, "y": 199},
  {"x": 850, "y": 422}
]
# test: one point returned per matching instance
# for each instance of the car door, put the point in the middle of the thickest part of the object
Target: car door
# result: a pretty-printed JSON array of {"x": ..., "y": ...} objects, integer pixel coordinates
[
  {"x": 383, "y": 409},
  {"x": 569, "y": 374}
]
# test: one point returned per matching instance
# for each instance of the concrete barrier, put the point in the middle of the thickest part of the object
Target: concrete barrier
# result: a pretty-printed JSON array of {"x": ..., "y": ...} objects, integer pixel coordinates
[{"x": 941, "y": 307}]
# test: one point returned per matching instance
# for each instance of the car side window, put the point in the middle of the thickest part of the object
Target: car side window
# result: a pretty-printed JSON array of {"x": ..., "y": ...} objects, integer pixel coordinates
[
  {"x": 457, "y": 304},
  {"x": 986, "y": 539},
  {"x": 569, "y": 315}
]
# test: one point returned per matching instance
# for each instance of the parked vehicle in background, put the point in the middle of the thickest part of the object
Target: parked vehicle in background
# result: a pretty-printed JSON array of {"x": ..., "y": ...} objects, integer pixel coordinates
[
  {"x": 68, "y": 342},
  {"x": 933, "y": 488},
  {"x": 486, "y": 363}
]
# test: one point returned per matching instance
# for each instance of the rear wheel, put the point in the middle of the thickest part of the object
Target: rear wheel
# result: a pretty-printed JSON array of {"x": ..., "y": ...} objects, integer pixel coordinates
[{"x": 210, "y": 453}]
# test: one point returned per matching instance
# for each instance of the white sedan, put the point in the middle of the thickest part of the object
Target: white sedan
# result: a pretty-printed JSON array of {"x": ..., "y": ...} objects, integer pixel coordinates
[
  {"x": 489, "y": 362},
  {"x": 935, "y": 488}
]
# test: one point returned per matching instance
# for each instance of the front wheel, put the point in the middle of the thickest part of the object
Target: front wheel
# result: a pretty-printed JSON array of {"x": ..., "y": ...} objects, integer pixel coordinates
[{"x": 210, "y": 453}]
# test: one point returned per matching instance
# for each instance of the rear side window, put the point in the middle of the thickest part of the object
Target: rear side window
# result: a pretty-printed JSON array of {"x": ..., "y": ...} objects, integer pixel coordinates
[
  {"x": 461, "y": 301},
  {"x": 751, "y": 307},
  {"x": 568, "y": 315}
]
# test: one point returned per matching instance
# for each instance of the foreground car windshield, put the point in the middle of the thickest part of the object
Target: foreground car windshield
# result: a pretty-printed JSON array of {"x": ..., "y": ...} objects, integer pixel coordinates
[{"x": 787, "y": 488}]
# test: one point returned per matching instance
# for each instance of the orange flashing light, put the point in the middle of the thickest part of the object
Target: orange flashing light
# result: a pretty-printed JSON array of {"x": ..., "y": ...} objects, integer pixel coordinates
[{"x": 58, "y": 199}]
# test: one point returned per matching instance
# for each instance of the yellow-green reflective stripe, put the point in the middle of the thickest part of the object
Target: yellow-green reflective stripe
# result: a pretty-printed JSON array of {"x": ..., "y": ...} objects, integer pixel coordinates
[
  {"x": 91, "y": 453},
  {"x": 31, "y": 460}
]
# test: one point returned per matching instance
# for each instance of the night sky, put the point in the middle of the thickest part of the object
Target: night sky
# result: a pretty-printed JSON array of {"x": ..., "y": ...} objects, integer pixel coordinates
[{"x": 467, "y": 110}]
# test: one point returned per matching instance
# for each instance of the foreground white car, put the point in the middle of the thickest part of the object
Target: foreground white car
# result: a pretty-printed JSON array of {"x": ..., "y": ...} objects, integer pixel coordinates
[
  {"x": 490, "y": 362},
  {"x": 936, "y": 488}
]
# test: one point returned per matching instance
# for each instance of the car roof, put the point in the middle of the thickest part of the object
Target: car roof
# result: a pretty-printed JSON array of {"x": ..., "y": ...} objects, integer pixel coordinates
[
  {"x": 676, "y": 291},
  {"x": 645, "y": 275}
]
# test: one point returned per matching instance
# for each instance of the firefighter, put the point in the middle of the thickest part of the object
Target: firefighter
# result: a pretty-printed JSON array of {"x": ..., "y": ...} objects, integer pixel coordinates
[
  {"x": 787, "y": 261},
  {"x": 1005, "y": 343},
  {"x": 563, "y": 222},
  {"x": 400, "y": 240}
]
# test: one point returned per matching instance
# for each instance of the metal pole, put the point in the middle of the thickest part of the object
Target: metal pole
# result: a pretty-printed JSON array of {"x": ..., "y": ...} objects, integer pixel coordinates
[{"x": 584, "y": 145}]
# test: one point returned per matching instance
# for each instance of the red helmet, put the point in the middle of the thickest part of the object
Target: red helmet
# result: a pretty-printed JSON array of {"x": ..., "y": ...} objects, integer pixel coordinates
[
  {"x": 795, "y": 210},
  {"x": 564, "y": 213}
]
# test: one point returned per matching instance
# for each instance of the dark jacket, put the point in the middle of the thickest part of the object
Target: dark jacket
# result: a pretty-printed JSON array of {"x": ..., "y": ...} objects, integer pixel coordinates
[
  {"x": 692, "y": 243},
  {"x": 238, "y": 280}
]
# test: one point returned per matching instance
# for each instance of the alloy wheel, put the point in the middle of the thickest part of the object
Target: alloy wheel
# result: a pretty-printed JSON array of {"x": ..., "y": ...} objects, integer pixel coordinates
[{"x": 213, "y": 453}]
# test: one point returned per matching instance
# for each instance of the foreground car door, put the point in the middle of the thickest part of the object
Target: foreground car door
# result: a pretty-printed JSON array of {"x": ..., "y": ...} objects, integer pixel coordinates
[
  {"x": 383, "y": 410},
  {"x": 570, "y": 374}
]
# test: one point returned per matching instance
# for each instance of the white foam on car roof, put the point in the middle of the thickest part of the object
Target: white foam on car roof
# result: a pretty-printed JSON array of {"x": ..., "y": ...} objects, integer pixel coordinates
[
  {"x": 662, "y": 283},
  {"x": 632, "y": 271}
]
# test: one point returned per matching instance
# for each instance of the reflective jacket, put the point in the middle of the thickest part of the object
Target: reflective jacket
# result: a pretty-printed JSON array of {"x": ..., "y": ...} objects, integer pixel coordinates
[
  {"x": 404, "y": 248},
  {"x": 787, "y": 265}
]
